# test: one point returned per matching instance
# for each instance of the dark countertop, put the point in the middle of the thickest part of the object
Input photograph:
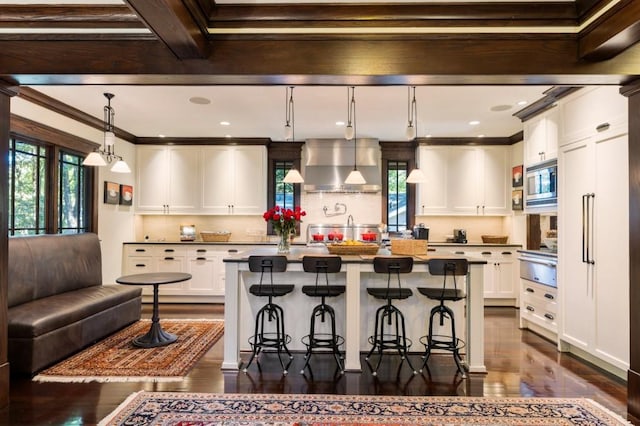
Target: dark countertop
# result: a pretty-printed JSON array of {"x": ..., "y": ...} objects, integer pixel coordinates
[{"x": 303, "y": 244}]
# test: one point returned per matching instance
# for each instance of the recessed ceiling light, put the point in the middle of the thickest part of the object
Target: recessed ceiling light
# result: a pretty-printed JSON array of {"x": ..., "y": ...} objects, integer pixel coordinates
[
  {"x": 339, "y": 123},
  {"x": 199, "y": 100},
  {"x": 428, "y": 136},
  {"x": 497, "y": 108},
  {"x": 474, "y": 123},
  {"x": 161, "y": 136},
  {"x": 481, "y": 136},
  {"x": 522, "y": 103},
  {"x": 227, "y": 136},
  {"x": 225, "y": 123}
]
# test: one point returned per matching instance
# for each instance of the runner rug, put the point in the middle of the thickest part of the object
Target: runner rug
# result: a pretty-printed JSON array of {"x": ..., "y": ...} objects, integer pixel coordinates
[
  {"x": 116, "y": 359},
  {"x": 200, "y": 409}
]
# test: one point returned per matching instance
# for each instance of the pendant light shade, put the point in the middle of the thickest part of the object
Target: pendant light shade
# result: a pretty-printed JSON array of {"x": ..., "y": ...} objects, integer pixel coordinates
[
  {"x": 355, "y": 178},
  {"x": 106, "y": 154},
  {"x": 416, "y": 176},
  {"x": 293, "y": 175}
]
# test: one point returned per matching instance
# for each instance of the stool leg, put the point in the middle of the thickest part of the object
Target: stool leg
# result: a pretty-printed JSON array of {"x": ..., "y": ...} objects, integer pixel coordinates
[
  {"x": 334, "y": 339},
  {"x": 427, "y": 351},
  {"x": 454, "y": 342},
  {"x": 257, "y": 337},
  {"x": 281, "y": 338},
  {"x": 312, "y": 334},
  {"x": 405, "y": 354}
]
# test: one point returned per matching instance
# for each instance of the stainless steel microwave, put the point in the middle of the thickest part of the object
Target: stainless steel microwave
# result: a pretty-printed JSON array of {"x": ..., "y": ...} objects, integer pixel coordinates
[{"x": 542, "y": 184}]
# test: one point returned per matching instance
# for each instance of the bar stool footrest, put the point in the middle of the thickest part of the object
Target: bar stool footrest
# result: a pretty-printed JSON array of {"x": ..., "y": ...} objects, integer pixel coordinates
[
  {"x": 439, "y": 341},
  {"x": 390, "y": 341},
  {"x": 270, "y": 340},
  {"x": 322, "y": 340}
]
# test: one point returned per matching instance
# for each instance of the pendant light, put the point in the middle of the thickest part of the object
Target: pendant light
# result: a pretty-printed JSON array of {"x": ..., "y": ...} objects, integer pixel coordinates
[
  {"x": 416, "y": 175},
  {"x": 355, "y": 177},
  {"x": 293, "y": 175},
  {"x": 106, "y": 154}
]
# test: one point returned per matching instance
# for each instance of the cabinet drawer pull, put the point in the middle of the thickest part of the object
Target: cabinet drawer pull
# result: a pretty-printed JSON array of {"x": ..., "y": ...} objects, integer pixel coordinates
[
  {"x": 507, "y": 252},
  {"x": 201, "y": 250},
  {"x": 602, "y": 127},
  {"x": 486, "y": 253},
  {"x": 530, "y": 290},
  {"x": 549, "y": 296},
  {"x": 530, "y": 308},
  {"x": 140, "y": 265},
  {"x": 169, "y": 258},
  {"x": 169, "y": 250},
  {"x": 459, "y": 252},
  {"x": 549, "y": 316},
  {"x": 431, "y": 249},
  {"x": 201, "y": 258},
  {"x": 232, "y": 251},
  {"x": 140, "y": 250}
]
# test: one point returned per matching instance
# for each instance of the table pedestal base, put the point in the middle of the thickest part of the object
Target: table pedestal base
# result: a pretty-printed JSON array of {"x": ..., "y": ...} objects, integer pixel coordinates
[{"x": 155, "y": 337}]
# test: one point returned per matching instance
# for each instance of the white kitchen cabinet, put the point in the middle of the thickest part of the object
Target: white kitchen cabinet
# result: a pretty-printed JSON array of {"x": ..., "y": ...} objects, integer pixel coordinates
[
  {"x": 203, "y": 261},
  {"x": 500, "y": 276},
  {"x": 539, "y": 308},
  {"x": 593, "y": 244},
  {"x": 432, "y": 195},
  {"x": 591, "y": 111},
  {"x": 234, "y": 180},
  {"x": 541, "y": 135},
  {"x": 479, "y": 180},
  {"x": 167, "y": 180}
]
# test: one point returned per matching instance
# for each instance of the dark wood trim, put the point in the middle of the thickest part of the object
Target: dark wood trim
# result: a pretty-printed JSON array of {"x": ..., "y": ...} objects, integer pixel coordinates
[
  {"x": 392, "y": 15},
  {"x": 5, "y": 124},
  {"x": 33, "y": 130},
  {"x": 69, "y": 16},
  {"x": 39, "y": 98},
  {"x": 201, "y": 141},
  {"x": 516, "y": 137},
  {"x": 465, "y": 141},
  {"x": 612, "y": 33},
  {"x": 391, "y": 62},
  {"x": 282, "y": 151},
  {"x": 585, "y": 9},
  {"x": 533, "y": 232},
  {"x": 633, "y": 386},
  {"x": 172, "y": 22},
  {"x": 548, "y": 101}
]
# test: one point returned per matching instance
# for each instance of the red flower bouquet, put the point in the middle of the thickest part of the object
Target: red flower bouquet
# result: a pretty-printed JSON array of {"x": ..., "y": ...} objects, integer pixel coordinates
[{"x": 284, "y": 221}]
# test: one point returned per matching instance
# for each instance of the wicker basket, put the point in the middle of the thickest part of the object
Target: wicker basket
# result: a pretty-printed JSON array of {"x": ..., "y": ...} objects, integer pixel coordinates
[
  {"x": 215, "y": 237},
  {"x": 408, "y": 247},
  {"x": 495, "y": 239},
  {"x": 354, "y": 250}
]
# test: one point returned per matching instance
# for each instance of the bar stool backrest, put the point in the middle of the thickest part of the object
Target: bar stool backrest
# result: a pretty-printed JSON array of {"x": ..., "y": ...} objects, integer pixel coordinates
[
  {"x": 268, "y": 264},
  {"x": 393, "y": 265},
  {"x": 322, "y": 265},
  {"x": 448, "y": 267}
]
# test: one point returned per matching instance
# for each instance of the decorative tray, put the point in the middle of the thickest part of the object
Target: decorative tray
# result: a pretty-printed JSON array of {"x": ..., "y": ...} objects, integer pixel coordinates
[{"x": 353, "y": 249}]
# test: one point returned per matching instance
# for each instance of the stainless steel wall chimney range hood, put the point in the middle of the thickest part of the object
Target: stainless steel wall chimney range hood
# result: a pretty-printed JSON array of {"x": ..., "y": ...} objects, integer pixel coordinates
[{"x": 329, "y": 161}]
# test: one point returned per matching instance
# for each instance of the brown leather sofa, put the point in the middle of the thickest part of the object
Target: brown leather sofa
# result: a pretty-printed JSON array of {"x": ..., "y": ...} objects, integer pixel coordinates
[{"x": 57, "y": 302}]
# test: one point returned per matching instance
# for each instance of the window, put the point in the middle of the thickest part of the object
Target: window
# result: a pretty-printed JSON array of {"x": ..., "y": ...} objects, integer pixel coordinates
[
  {"x": 284, "y": 192},
  {"x": 397, "y": 212},
  {"x": 27, "y": 188},
  {"x": 72, "y": 195},
  {"x": 49, "y": 189}
]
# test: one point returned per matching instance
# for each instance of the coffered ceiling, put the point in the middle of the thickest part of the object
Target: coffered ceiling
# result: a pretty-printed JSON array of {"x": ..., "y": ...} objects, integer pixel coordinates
[{"x": 471, "y": 61}]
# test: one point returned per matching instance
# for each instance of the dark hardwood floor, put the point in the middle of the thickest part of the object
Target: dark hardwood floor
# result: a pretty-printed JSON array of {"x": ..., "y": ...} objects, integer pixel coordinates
[{"x": 519, "y": 363}]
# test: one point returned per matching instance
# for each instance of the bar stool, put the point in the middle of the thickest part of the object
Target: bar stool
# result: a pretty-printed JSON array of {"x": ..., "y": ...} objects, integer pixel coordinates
[
  {"x": 322, "y": 265},
  {"x": 389, "y": 329},
  {"x": 269, "y": 338},
  {"x": 445, "y": 268}
]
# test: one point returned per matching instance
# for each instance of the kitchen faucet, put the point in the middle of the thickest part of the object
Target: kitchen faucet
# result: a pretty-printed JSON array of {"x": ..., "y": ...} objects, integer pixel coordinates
[{"x": 350, "y": 220}]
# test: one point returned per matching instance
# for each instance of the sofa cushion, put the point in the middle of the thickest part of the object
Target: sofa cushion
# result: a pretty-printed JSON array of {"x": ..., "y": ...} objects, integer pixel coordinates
[
  {"x": 44, "y": 315},
  {"x": 44, "y": 265}
]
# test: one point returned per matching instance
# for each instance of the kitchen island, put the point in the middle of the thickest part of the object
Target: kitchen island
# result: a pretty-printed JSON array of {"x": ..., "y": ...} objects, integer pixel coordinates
[{"x": 355, "y": 307}]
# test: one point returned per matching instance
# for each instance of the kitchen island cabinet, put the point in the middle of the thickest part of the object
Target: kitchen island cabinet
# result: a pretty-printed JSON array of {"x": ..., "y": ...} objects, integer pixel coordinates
[{"x": 356, "y": 310}]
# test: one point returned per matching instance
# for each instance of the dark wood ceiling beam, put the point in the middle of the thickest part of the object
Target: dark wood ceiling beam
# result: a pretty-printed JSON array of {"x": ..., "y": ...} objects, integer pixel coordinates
[
  {"x": 615, "y": 31},
  {"x": 358, "y": 61},
  {"x": 72, "y": 16},
  {"x": 396, "y": 15},
  {"x": 172, "y": 22}
]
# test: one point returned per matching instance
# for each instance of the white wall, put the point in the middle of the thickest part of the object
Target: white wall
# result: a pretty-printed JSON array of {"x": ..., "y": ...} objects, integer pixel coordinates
[{"x": 115, "y": 222}]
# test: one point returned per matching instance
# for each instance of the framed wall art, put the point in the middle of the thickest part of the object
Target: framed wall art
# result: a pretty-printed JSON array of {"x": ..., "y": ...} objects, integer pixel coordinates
[
  {"x": 516, "y": 200},
  {"x": 111, "y": 192},
  {"x": 517, "y": 178},
  {"x": 126, "y": 195}
]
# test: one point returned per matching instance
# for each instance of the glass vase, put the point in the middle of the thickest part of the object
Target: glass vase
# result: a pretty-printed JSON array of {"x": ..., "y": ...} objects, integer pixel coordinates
[{"x": 284, "y": 245}]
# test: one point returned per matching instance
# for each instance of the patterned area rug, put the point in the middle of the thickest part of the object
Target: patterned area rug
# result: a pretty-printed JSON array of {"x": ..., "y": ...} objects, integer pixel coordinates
[
  {"x": 115, "y": 359},
  {"x": 200, "y": 409}
]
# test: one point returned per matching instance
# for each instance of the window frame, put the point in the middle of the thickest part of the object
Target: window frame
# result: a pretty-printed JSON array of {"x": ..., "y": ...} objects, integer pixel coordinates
[
  {"x": 401, "y": 151},
  {"x": 56, "y": 141},
  {"x": 282, "y": 152}
]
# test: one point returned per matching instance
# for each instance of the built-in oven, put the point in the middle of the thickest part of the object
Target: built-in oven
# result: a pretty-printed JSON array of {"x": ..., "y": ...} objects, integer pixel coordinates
[
  {"x": 541, "y": 270},
  {"x": 542, "y": 184}
]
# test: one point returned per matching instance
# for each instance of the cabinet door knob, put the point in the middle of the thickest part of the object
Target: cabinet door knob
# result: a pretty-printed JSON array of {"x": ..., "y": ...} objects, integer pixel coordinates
[
  {"x": 549, "y": 296},
  {"x": 530, "y": 308},
  {"x": 602, "y": 127},
  {"x": 549, "y": 316},
  {"x": 530, "y": 290}
]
